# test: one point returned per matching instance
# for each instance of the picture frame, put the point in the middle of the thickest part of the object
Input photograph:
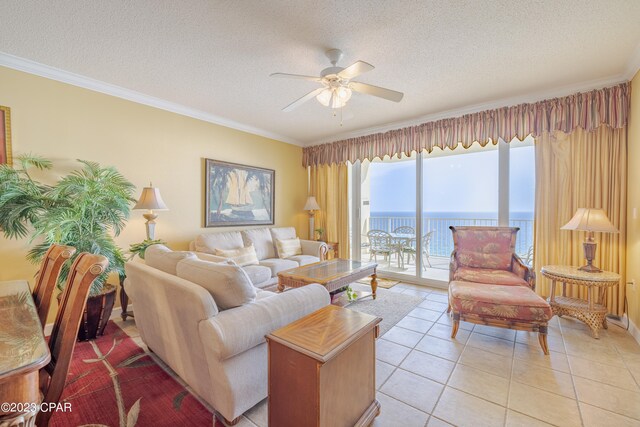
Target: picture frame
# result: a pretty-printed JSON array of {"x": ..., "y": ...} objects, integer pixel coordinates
[
  {"x": 5, "y": 136},
  {"x": 238, "y": 195}
]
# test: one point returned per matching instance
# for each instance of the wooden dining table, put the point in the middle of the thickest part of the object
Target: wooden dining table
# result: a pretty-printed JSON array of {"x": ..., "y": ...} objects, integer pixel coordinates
[{"x": 23, "y": 352}]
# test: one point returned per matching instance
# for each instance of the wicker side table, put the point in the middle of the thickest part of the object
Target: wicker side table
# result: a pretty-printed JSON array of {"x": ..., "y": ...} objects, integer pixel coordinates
[{"x": 593, "y": 312}]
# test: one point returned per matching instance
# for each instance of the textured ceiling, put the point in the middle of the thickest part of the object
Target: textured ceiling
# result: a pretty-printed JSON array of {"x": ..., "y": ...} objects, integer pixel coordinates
[{"x": 216, "y": 56}]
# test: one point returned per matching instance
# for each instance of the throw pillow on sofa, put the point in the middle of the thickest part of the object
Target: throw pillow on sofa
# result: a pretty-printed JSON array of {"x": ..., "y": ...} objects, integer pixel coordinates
[
  {"x": 282, "y": 233},
  {"x": 288, "y": 247},
  {"x": 227, "y": 283},
  {"x": 241, "y": 256},
  {"x": 164, "y": 259},
  {"x": 261, "y": 239}
]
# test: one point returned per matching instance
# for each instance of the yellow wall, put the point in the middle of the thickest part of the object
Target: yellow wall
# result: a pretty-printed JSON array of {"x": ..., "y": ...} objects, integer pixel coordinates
[
  {"x": 64, "y": 122},
  {"x": 633, "y": 202}
]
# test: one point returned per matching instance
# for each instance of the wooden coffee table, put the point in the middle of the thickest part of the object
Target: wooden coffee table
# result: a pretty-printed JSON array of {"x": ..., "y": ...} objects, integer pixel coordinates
[{"x": 334, "y": 274}]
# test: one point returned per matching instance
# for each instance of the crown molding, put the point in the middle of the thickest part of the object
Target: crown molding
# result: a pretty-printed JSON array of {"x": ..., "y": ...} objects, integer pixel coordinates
[
  {"x": 38, "y": 69},
  {"x": 32, "y": 67},
  {"x": 504, "y": 102},
  {"x": 633, "y": 65}
]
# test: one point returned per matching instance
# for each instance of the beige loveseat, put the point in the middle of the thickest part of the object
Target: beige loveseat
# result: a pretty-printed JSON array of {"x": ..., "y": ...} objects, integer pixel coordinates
[
  {"x": 264, "y": 241},
  {"x": 221, "y": 354}
]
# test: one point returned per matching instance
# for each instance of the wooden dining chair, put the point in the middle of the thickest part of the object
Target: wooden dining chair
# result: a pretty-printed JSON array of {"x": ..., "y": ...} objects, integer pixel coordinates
[
  {"x": 63, "y": 337},
  {"x": 50, "y": 268}
]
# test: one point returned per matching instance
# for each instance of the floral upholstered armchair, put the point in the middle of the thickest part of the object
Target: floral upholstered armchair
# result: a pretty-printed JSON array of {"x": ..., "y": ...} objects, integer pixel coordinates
[
  {"x": 488, "y": 253},
  {"x": 489, "y": 284}
]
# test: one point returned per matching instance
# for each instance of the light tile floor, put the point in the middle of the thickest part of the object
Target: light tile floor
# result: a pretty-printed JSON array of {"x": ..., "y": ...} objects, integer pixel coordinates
[{"x": 496, "y": 377}]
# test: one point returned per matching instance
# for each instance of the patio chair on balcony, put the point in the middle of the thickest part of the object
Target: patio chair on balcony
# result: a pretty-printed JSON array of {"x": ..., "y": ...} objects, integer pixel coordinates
[
  {"x": 380, "y": 244},
  {"x": 405, "y": 229},
  {"x": 528, "y": 259},
  {"x": 411, "y": 251},
  {"x": 403, "y": 237}
]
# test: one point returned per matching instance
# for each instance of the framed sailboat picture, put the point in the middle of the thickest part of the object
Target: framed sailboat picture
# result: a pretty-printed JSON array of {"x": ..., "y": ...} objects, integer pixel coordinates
[{"x": 238, "y": 194}]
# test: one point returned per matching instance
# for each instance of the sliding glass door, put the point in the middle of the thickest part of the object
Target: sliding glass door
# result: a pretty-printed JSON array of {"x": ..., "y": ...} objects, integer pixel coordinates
[
  {"x": 459, "y": 187},
  {"x": 388, "y": 213},
  {"x": 402, "y": 208}
]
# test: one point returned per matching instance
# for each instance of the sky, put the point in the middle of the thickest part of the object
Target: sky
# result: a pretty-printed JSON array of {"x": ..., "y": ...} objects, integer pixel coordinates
[{"x": 462, "y": 183}]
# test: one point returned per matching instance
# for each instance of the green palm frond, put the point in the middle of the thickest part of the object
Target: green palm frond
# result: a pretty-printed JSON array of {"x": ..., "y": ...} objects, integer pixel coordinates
[
  {"x": 86, "y": 209},
  {"x": 22, "y": 200},
  {"x": 27, "y": 161}
]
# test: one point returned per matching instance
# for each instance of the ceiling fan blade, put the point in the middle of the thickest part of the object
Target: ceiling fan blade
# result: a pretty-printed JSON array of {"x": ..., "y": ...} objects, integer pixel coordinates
[
  {"x": 380, "y": 92},
  {"x": 355, "y": 69},
  {"x": 302, "y": 100},
  {"x": 296, "y": 76}
]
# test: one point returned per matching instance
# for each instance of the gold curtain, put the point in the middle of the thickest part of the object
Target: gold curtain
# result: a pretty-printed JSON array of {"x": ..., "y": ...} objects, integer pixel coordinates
[
  {"x": 330, "y": 186},
  {"x": 581, "y": 170}
]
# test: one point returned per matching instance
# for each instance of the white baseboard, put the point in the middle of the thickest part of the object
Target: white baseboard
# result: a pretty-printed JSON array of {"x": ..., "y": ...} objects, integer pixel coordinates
[
  {"x": 623, "y": 322},
  {"x": 115, "y": 313},
  {"x": 633, "y": 329}
]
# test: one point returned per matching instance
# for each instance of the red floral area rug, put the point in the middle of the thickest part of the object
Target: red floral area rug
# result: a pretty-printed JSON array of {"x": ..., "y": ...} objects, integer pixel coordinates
[{"x": 113, "y": 382}]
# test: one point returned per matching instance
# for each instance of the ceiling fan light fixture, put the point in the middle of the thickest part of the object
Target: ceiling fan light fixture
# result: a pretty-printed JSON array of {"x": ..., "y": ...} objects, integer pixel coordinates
[
  {"x": 338, "y": 84},
  {"x": 340, "y": 98},
  {"x": 335, "y": 97},
  {"x": 324, "y": 97},
  {"x": 344, "y": 93}
]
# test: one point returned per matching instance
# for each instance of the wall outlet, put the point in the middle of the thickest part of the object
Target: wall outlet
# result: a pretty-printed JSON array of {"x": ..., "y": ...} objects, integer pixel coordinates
[{"x": 632, "y": 284}]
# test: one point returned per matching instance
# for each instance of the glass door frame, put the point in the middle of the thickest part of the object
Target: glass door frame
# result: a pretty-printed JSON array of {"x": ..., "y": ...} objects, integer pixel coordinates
[
  {"x": 356, "y": 248},
  {"x": 356, "y": 217}
]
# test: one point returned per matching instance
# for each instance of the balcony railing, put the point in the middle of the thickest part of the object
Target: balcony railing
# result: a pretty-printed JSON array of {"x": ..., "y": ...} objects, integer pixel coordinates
[{"x": 441, "y": 242}]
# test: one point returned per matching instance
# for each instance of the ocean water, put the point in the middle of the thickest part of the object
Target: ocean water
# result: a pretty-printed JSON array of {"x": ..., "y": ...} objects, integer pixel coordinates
[
  {"x": 466, "y": 215},
  {"x": 441, "y": 243}
]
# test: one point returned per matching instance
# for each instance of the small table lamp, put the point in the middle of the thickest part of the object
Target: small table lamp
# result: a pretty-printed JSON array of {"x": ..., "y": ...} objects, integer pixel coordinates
[
  {"x": 151, "y": 200},
  {"x": 590, "y": 220},
  {"x": 311, "y": 206}
]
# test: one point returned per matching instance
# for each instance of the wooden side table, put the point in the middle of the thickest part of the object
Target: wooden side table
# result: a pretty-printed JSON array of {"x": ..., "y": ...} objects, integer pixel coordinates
[
  {"x": 593, "y": 311},
  {"x": 322, "y": 370}
]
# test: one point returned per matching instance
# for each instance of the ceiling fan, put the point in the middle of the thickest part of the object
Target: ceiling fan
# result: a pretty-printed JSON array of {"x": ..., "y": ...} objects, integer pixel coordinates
[{"x": 337, "y": 85}]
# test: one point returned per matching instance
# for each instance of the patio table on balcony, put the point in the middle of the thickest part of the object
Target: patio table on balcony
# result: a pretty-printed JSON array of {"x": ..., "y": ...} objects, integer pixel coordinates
[{"x": 401, "y": 240}]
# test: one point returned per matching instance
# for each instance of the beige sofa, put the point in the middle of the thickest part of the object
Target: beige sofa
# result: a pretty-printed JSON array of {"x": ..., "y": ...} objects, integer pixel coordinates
[
  {"x": 264, "y": 241},
  {"x": 221, "y": 354}
]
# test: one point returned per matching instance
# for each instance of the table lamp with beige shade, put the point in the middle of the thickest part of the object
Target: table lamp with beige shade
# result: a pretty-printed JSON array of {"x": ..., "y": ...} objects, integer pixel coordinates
[
  {"x": 311, "y": 206},
  {"x": 592, "y": 221},
  {"x": 150, "y": 200}
]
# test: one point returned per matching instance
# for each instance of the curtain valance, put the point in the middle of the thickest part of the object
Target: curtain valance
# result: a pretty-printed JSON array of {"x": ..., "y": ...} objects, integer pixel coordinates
[{"x": 589, "y": 110}]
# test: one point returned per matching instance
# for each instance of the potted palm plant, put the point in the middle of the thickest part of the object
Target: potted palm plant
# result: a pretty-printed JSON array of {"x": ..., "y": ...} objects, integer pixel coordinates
[{"x": 85, "y": 209}]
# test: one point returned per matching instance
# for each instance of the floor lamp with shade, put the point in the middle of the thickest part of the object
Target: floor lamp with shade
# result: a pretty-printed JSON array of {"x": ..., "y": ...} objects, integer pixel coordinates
[
  {"x": 590, "y": 220},
  {"x": 151, "y": 200},
  {"x": 311, "y": 206}
]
